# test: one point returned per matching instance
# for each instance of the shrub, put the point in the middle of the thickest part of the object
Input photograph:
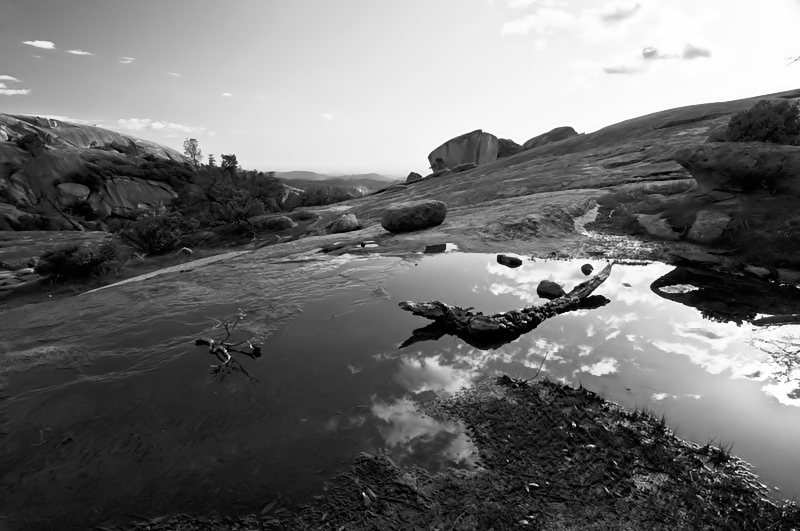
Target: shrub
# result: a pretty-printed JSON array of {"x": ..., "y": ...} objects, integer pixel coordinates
[
  {"x": 73, "y": 262},
  {"x": 777, "y": 122},
  {"x": 157, "y": 232}
]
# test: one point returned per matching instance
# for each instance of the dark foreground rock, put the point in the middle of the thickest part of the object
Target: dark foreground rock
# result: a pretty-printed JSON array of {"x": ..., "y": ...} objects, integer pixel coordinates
[
  {"x": 547, "y": 289},
  {"x": 413, "y": 215},
  {"x": 508, "y": 261}
]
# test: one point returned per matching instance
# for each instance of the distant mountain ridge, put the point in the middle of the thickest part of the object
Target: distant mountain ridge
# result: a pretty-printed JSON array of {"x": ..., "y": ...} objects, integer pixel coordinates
[{"x": 301, "y": 175}]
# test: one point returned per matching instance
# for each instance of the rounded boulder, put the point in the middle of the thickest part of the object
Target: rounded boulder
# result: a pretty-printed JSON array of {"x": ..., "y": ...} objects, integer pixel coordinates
[{"x": 413, "y": 215}]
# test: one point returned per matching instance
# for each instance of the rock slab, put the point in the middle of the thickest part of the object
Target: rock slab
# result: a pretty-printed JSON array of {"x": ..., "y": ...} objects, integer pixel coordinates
[
  {"x": 554, "y": 135},
  {"x": 413, "y": 215},
  {"x": 657, "y": 226},
  {"x": 344, "y": 223}
]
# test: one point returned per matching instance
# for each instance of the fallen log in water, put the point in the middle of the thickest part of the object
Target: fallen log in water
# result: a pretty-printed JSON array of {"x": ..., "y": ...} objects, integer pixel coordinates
[{"x": 492, "y": 331}]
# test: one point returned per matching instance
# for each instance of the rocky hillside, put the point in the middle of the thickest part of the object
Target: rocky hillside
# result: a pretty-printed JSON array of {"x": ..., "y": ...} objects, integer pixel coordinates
[{"x": 56, "y": 175}]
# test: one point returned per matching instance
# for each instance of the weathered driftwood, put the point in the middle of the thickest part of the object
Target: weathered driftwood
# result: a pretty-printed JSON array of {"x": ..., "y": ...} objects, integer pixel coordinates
[{"x": 491, "y": 331}]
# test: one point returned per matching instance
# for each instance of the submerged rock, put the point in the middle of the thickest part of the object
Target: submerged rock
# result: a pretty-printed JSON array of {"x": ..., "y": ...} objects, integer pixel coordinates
[
  {"x": 547, "y": 289},
  {"x": 344, "y": 223},
  {"x": 508, "y": 261},
  {"x": 476, "y": 147},
  {"x": 413, "y": 215}
]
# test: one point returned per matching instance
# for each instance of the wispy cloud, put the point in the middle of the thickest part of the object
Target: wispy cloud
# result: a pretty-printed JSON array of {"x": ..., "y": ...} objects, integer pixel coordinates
[
  {"x": 173, "y": 74},
  {"x": 544, "y": 21},
  {"x": 140, "y": 124},
  {"x": 651, "y": 53},
  {"x": 622, "y": 69},
  {"x": 328, "y": 116},
  {"x": 12, "y": 92},
  {"x": 619, "y": 10},
  {"x": 126, "y": 60},
  {"x": 5, "y": 91},
  {"x": 693, "y": 52},
  {"x": 79, "y": 52},
  {"x": 516, "y": 4},
  {"x": 227, "y": 94},
  {"x": 47, "y": 45}
]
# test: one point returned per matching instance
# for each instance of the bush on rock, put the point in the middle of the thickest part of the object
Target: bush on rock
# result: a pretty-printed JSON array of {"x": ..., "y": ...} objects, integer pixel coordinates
[
  {"x": 777, "y": 122},
  {"x": 73, "y": 262}
]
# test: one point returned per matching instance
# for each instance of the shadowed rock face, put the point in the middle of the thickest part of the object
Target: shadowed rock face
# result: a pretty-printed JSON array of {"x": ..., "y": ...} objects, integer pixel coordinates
[
  {"x": 559, "y": 133},
  {"x": 731, "y": 166},
  {"x": 476, "y": 147}
]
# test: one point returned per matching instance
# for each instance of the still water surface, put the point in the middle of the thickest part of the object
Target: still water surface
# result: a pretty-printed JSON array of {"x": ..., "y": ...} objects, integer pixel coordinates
[{"x": 144, "y": 429}]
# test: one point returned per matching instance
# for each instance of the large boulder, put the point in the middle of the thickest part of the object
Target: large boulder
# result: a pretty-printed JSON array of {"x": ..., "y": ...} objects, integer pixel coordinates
[
  {"x": 506, "y": 148},
  {"x": 742, "y": 166},
  {"x": 559, "y": 133},
  {"x": 708, "y": 226},
  {"x": 413, "y": 215},
  {"x": 344, "y": 223},
  {"x": 477, "y": 147},
  {"x": 71, "y": 193}
]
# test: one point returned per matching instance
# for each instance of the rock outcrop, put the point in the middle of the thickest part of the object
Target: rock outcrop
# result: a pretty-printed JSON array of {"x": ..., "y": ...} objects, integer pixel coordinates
[
  {"x": 291, "y": 198},
  {"x": 467, "y": 166},
  {"x": 657, "y": 226},
  {"x": 122, "y": 196},
  {"x": 413, "y": 215},
  {"x": 742, "y": 166},
  {"x": 476, "y": 147},
  {"x": 559, "y": 133},
  {"x": 272, "y": 222},
  {"x": 413, "y": 177}
]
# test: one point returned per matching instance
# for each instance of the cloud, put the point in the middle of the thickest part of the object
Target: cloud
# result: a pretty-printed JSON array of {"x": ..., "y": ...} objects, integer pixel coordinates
[
  {"x": 516, "y": 4},
  {"x": 651, "y": 53},
  {"x": 693, "y": 52},
  {"x": 328, "y": 116},
  {"x": 9, "y": 78},
  {"x": 13, "y": 92},
  {"x": 140, "y": 124},
  {"x": 227, "y": 94},
  {"x": 544, "y": 21},
  {"x": 173, "y": 74},
  {"x": 625, "y": 70},
  {"x": 47, "y": 45},
  {"x": 126, "y": 60},
  {"x": 79, "y": 52},
  {"x": 619, "y": 10}
]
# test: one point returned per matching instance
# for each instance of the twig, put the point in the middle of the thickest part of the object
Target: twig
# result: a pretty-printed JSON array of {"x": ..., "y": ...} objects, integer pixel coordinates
[{"x": 456, "y": 522}]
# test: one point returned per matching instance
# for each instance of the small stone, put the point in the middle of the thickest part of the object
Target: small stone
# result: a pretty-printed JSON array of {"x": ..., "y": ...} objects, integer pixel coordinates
[
  {"x": 508, "y": 261},
  {"x": 548, "y": 289},
  {"x": 587, "y": 269}
]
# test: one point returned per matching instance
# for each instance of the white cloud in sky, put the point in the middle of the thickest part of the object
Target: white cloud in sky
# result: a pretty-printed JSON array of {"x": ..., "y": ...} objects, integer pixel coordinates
[
  {"x": 693, "y": 52},
  {"x": 47, "y": 45},
  {"x": 328, "y": 116},
  {"x": 173, "y": 74},
  {"x": 619, "y": 10},
  {"x": 126, "y": 60},
  {"x": 9, "y": 78},
  {"x": 140, "y": 124},
  {"x": 227, "y": 94},
  {"x": 13, "y": 92},
  {"x": 545, "y": 21},
  {"x": 79, "y": 52}
]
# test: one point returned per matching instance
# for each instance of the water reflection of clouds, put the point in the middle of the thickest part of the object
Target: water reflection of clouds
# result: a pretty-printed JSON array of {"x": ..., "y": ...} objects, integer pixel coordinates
[
  {"x": 602, "y": 367},
  {"x": 411, "y": 434},
  {"x": 418, "y": 375}
]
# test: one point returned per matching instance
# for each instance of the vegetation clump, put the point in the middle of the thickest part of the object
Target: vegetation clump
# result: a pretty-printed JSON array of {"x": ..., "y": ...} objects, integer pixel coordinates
[
  {"x": 777, "y": 122},
  {"x": 74, "y": 262},
  {"x": 158, "y": 231}
]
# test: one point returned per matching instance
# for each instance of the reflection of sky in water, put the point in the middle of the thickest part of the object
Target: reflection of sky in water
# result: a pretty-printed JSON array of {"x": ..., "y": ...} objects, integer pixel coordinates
[{"x": 638, "y": 350}]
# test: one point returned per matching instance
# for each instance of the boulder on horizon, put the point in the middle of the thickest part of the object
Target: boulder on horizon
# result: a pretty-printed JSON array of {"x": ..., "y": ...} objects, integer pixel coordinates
[
  {"x": 476, "y": 147},
  {"x": 554, "y": 135},
  {"x": 413, "y": 177}
]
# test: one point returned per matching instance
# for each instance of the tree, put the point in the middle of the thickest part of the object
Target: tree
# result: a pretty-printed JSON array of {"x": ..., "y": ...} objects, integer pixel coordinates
[
  {"x": 212, "y": 162},
  {"x": 192, "y": 151},
  {"x": 229, "y": 164}
]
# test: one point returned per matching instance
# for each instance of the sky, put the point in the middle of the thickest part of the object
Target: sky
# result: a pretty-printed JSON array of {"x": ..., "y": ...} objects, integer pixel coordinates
[{"x": 358, "y": 86}]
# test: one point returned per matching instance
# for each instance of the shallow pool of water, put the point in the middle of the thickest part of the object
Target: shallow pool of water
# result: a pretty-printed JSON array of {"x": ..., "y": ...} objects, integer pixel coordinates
[{"x": 128, "y": 420}]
